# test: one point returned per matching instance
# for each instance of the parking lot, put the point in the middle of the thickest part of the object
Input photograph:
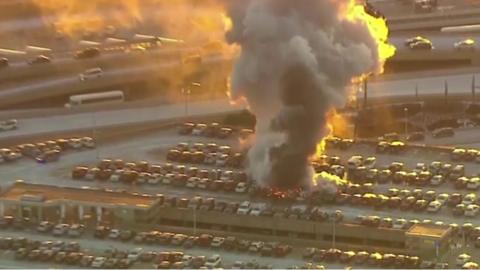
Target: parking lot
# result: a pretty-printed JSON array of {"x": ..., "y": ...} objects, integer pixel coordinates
[{"x": 153, "y": 147}]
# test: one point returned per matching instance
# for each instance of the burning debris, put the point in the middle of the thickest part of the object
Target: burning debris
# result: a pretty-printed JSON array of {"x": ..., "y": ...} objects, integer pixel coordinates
[{"x": 297, "y": 61}]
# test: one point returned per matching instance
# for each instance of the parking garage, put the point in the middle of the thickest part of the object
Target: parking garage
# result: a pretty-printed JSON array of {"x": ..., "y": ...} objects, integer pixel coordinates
[{"x": 65, "y": 204}]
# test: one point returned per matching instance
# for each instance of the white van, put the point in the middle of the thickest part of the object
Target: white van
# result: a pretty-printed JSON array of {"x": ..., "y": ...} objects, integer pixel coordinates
[{"x": 93, "y": 73}]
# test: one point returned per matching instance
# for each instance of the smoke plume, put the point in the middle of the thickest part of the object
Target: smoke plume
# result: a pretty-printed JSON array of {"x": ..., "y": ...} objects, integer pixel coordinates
[
  {"x": 296, "y": 63},
  {"x": 190, "y": 20}
]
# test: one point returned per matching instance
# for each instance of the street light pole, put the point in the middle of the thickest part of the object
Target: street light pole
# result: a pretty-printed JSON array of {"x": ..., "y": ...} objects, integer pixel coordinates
[
  {"x": 334, "y": 234},
  {"x": 195, "y": 221},
  {"x": 186, "y": 91},
  {"x": 406, "y": 122}
]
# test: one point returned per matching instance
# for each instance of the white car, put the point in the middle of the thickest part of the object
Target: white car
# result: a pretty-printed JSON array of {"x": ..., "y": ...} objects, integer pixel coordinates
[
  {"x": 257, "y": 209},
  {"x": 192, "y": 182},
  {"x": 93, "y": 73},
  {"x": 187, "y": 260},
  {"x": 416, "y": 39},
  {"x": 467, "y": 44},
  {"x": 422, "y": 45},
  {"x": 463, "y": 259},
  {"x": 473, "y": 183},
  {"x": 10, "y": 124},
  {"x": 471, "y": 210},
  {"x": 211, "y": 159},
  {"x": 436, "y": 180},
  {"x": 215, "y": 261},
  {"x": 203, "y": 183},
  {"x": 199, "y": 129},
  {"x": 470, "y": 198},
  {"x": 154, "y": 179},
  {"x": 88, "y": 142},
  {"x": 75, "y": 143},
  {"x": 226, "y": 176},
  {"x": 217, "y": 242},
  {"x": 60, "y": 229},
  {"x": 168, "y": 178},
  {"x": 134, "y": 254},
  {"x": 114, "y": 234},
  {"x": 354, "y": 162},
  {"x": 116, "y": 175},
  {"x": 399, "y": 224},
  {"x": 221, "y": 160},
  {"x": 434, "y": 206},
  {"x": 244, "y": 208},
  {"x": 442, "y": 198},
  {"x": 256, "y": 246},
  {"x": 370, "y": 162},
  {"x": 98, "y": 262},
  {"x": 241, "y": 187}
]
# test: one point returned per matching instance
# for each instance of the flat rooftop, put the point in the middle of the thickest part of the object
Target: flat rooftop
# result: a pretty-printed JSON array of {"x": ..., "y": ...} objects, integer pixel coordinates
[
  {"x": 428, "y": 230},
  {"x": 22, "y": 191}
]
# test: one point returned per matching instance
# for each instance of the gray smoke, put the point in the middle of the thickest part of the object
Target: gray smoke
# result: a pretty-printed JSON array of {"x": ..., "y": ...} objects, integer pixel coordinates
[{"x": 297, "y": 59}]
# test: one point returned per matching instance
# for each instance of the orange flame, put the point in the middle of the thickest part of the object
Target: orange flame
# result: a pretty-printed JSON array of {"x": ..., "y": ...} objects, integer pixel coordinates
[{"x": 355, "y": 12}]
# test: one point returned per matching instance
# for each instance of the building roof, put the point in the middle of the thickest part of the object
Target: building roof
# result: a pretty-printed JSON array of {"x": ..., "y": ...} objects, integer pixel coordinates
[
  {"x": 21, "y": 191},
  {"x": 428, "y": 230}
]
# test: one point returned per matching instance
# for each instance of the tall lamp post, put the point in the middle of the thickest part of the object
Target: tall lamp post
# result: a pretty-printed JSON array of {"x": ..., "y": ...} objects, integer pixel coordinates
[
  {"x": 186, "y": 92},
  {"x": 406, "y": 122}
]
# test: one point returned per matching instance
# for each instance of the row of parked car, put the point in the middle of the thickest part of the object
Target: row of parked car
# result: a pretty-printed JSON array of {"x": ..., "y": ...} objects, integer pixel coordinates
[
  {"x": 59, "y": 252},
  {"x": 212, "y": 130},
  {"x": 207, "y": 154},
  {"x": 165, "y": 174},
  {"x": 46, "y": 151},
  {"x": 363, "y": 258},
  {"x": 467, "y": 155}
]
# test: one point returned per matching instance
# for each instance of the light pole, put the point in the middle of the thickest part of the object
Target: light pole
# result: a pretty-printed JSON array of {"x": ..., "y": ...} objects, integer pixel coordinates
[
  {"x": 186, "y": 92},
  {"x": 334, "y": 233},
  {"x": 94, "y": 135},
  {"x": 195, "y": 221},
  {"x": 406, "y": 122}
]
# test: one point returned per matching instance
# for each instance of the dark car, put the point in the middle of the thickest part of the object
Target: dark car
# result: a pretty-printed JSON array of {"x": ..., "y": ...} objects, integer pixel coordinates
[
  {"x": 443, "y": 133},
  {"x": 101, "y": 231},
  {"x": 416, "y": 136},
  {"x": 87, "y": 53},
  {"x": 126, "y": 235},
  {"x": 230, "y": 243},
  {"x": 186, "y": 128},
  {"x": 6, "y": 221},
  {"x": 41, "y": 59}
]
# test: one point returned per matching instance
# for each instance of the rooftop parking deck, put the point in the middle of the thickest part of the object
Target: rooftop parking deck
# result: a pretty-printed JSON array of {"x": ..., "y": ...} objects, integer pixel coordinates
[{"x": 21, "y": 191}]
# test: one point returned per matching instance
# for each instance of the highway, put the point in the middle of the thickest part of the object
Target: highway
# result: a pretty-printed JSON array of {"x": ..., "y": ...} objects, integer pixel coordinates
[
  {"x": 70, "y": 122},
  {"x": 429, "y": 85}
]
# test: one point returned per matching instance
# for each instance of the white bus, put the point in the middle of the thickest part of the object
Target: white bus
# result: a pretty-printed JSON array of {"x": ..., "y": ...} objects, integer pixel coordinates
[{"x": 96, "y": 98}]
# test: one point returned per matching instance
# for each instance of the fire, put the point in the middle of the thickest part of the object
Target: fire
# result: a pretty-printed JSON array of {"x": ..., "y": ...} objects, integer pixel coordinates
[
  {"x": 227, "y": 22},
  {"x": 336, "y": 124},
  {"x": 355, "y": 12}
]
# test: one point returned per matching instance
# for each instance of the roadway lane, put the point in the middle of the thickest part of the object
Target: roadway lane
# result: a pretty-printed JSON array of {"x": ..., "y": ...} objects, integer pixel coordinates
[
  {"x": 47, "y": 124},
  {"x": 400, "y": 8},
  {"x": 431, "y": 85},
  {"x": 441, "y": 41}
]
